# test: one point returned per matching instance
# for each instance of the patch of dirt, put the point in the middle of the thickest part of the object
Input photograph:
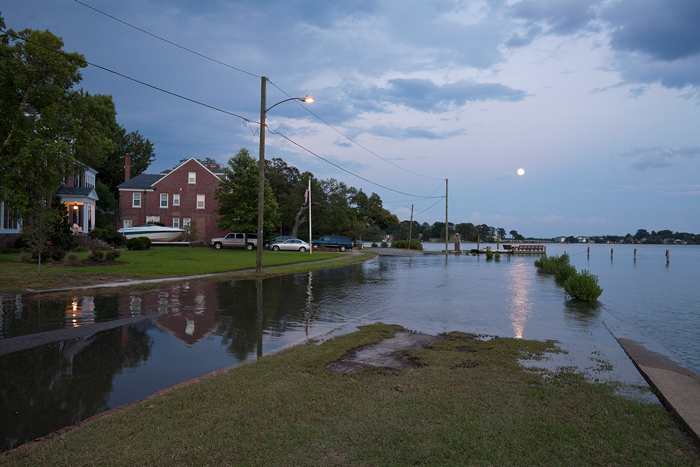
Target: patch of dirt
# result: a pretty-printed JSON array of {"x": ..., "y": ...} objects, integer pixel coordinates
[{"x": 389, "y": 353}]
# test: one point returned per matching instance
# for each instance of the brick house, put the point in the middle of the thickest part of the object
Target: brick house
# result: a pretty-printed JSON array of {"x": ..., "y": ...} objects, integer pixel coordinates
[{"x": 173, "y": 197}]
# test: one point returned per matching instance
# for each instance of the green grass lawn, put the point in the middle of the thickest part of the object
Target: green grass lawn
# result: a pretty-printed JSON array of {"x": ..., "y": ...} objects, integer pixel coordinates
[
  {"x": 150, "y": 264},
  {"x": 468, "y": 403}
]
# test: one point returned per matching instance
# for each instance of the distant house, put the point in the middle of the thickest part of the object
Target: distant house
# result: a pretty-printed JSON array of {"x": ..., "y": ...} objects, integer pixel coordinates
[
  {"x": 559, "y": 239},
  {"x": 79, "y": 195},
  {"x": 583, "y": 239},
  {"x": 77, "y": 192},
  {"x": 173, "y": 197}
]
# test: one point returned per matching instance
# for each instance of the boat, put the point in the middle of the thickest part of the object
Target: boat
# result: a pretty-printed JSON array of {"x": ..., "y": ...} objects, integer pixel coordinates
[{"x": 156, "y": 233}]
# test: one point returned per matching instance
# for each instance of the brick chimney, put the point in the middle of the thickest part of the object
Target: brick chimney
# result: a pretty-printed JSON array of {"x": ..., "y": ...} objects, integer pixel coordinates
[{"x": 127, "y": 167}]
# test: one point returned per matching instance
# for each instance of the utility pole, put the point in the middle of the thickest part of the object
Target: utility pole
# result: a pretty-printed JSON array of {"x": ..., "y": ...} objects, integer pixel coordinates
[
  {"x": 410, "y": 229},
  {"x": 447, "y": 226},
  {"x": 311, "y": 247},
  {"x": 261, "y": 176}
]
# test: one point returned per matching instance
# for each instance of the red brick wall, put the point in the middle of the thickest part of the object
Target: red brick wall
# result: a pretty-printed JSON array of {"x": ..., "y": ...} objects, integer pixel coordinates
[{"x": 176, "y": 182}]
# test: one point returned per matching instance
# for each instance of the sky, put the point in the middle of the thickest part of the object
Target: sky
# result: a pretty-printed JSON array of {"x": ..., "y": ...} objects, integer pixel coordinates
[{"x": 597, "y": 100}]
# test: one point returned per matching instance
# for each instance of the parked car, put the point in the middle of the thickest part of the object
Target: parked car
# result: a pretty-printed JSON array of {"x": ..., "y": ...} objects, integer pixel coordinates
[
  {"x": 235, "y": 240},
  {"x": 333, "y": 241},
  {"x": 279, "y": 239},
  {"x": 291, "y": 244}
]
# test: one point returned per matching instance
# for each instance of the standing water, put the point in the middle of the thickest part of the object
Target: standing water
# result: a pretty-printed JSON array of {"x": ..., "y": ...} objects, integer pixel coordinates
[{"x": 64, "y": 360}]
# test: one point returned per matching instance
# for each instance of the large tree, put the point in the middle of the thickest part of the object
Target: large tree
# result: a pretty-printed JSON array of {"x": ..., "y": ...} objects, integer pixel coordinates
[
  {"x": 238, "y": 197},
  {"x": 47, "y": 130},
  {"x": 111, "y": 170}
]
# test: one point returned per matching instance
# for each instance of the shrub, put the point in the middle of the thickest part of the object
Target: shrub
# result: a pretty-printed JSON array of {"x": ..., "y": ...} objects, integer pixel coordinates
[
  {"x": 374, "y": 245},
  {"x": 147, "y": 242},
  {"x": 97, "y": 233},
  {"x": 415, "y": 244},
  {"x": 583, "y": 286},
  {"x": 24, "y": 257},
  {"x": 71, "y": 258},
  {"x": 497, "y": 256},
  {"x": 112, "y": 255},
  {"x": 96, "y": 255},
  {"x": 489, "y": 254},
  {"x": 551, "y": 264},
  {"x": 564, "y": 272},
  {"x": 50, "y": 251},
  {"x": 385, "y": 244},
  {"x": 136, "y": 243}
]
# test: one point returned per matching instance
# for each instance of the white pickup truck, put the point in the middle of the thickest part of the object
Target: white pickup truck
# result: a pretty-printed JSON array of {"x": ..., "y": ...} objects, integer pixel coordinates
[{"x": 235, "y": 240}]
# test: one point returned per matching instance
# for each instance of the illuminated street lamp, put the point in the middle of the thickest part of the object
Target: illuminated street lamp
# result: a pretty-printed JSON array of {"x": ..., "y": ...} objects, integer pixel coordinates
[{"x": 261, "y": 164}]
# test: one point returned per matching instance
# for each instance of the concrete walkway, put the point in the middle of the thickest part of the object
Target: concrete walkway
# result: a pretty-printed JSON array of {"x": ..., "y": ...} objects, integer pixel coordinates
[
  {"x": 127, "y": 283},
  {"x": 677, "y": 387}
]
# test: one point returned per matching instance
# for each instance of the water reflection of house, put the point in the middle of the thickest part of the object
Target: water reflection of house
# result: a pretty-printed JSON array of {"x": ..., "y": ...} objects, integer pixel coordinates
[{"x": 190, "y": 325}]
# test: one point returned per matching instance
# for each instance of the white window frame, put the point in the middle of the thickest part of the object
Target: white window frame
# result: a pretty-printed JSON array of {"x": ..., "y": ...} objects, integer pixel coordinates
[
  {"x": 176, "y": 199},
  {"x": 185, "y": 222},
  {"x": 176, "y": 222},
  {"x": 192, "y": 178},
  {"x": 163, "y": 200},
  {"x": 136, "y": 200},
  {"x": 152, "y": 219},
  {"x": 201, "y": 199}
]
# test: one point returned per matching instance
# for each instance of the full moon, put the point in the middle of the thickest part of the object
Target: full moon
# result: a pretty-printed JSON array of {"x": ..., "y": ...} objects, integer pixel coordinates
[{"x": 521, "y": 171}]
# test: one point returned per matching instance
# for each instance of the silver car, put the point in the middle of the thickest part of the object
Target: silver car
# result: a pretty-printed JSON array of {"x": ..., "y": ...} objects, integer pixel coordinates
[{"x": 292, "y": 244}]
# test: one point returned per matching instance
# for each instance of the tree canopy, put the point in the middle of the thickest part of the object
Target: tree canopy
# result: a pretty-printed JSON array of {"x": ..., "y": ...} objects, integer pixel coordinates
[
  {"x": 47, "y": 129},
  {"x": 238, "y": 197}
]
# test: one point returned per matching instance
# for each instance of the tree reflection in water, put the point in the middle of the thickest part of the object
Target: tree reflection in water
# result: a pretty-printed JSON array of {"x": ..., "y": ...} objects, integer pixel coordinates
[{"x": 67, "y": 389}]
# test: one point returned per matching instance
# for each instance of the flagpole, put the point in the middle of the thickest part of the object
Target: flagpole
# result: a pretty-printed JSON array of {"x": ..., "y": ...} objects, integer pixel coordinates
[{"x": 311, "y": 247}]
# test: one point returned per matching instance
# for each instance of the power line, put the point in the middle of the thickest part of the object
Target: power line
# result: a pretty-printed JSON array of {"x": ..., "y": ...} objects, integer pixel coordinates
[
  {"x": 247, "y": 120},
  {"x": 355, "y": 142},
  {"x": 222, "y": 111},
  {"x": 166, "y": 40},
  {"x": 257, "y": 76},
  {"x": 349, "y": 172}
]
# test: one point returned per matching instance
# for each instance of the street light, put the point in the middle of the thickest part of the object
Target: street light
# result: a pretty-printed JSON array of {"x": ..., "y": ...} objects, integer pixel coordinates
[{"x": 261, "y": 164}]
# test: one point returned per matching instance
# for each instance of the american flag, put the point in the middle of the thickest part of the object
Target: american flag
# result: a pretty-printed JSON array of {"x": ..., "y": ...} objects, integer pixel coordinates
[{"x": 306, "y": 196}]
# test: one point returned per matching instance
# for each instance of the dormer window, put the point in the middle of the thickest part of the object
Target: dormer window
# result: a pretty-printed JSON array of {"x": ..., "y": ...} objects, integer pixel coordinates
[{"x": 192, "y": 178}]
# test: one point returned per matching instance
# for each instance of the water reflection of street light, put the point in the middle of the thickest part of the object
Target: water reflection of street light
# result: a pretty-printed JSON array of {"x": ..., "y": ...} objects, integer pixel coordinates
[{"x": 261, "y": 165}]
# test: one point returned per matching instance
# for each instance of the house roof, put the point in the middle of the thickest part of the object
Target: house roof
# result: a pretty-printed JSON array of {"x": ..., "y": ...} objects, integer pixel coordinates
[
  {"x": 148, "y": 181},
  {"x": 75, "y": 191},
  {"x": 143, "y": 181}
]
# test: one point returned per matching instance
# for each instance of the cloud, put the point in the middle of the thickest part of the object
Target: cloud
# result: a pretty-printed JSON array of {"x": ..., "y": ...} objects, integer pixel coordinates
[
  {"x": 653, "y": 41},
  {"x": 560, "y": 17},
  {"x": 426, "y": 96},
  {"x": 413, "y": 132},
  {"x": 663, "y": 30},
  {"x": 659, "y": 156}
]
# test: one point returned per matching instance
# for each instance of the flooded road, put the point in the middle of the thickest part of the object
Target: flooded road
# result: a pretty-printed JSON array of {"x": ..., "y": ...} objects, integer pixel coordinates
[{"x": 151, "y": 340}]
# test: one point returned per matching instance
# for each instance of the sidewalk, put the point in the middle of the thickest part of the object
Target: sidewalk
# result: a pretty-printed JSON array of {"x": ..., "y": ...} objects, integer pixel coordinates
[{"x": 127, "y": 283}]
